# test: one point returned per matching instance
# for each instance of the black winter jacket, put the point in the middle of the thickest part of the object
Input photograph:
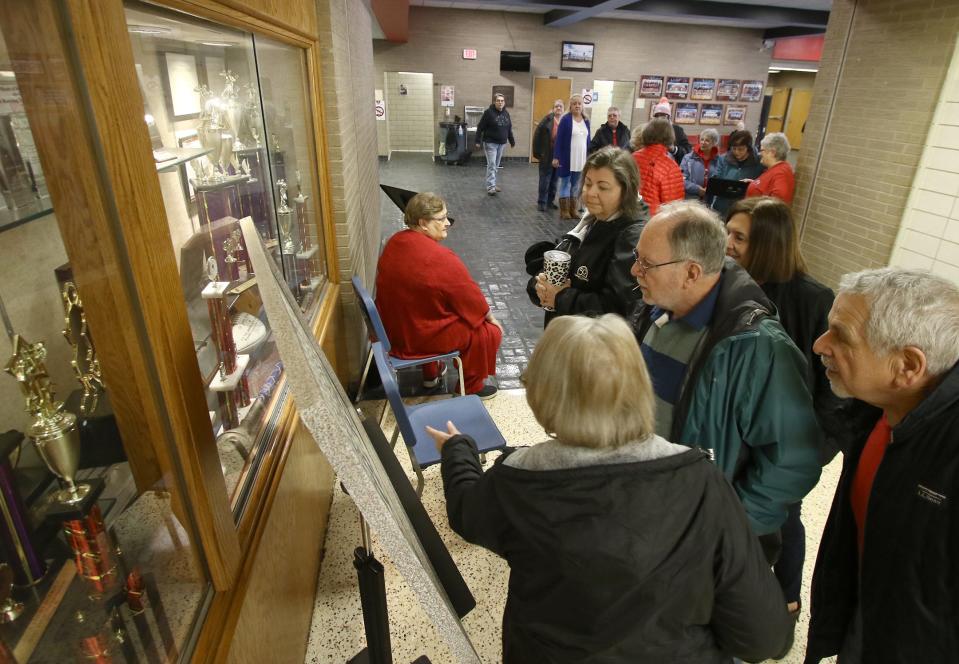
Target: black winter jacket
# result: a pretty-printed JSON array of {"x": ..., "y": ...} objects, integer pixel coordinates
[
  {"x": 495, "y": 127},
  {"x": 682, "y": 146},
  {"x": 909, "y": 571},
  {"x": 803, "y": 305},
  {"x": 604, "y": 137},
  {"x": 543, "y": 143},
  {"x": 636, "y": 555},
  {"x": 599, "y": 272}
]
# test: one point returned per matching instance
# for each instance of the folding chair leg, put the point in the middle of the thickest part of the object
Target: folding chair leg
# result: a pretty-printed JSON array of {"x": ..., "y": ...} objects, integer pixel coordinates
[
  {"x": 366, "y": 371},
  {"x": 459, "y": 366},
  {"x": 420, "y": 480},
  {"x": 396, "y": 434}
]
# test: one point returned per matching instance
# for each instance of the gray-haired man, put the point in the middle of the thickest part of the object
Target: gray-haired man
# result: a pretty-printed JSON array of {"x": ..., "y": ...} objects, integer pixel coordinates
[
  {"x": 886, "y": 585},
  {"x": 612, "y": 132},
  {"x": 727, "y": 377}
]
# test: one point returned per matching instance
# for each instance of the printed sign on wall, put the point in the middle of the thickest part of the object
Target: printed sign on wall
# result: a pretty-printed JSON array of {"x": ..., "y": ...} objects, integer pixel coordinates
[
  {"x": 379, "y": 105},
  {"x": 446, "y": 95}
]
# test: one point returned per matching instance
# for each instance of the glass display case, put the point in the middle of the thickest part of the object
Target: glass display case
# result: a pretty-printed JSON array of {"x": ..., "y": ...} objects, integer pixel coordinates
[
  {"x": 149, "y": 455},
  {"x": 23, "y": 189},
  {"x": 231, "y": 129},
  {"x": 91, "y": 569}
]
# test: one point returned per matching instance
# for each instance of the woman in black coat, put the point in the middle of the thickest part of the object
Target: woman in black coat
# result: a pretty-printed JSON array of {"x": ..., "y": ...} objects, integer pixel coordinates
[
  {"x": 761, "y": 236},
  {"x": 599, "y": 278},
  {"x": 622, "y": 546}
]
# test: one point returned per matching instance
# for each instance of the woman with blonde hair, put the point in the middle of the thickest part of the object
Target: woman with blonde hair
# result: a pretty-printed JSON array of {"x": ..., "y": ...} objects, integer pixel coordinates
[
  {"x": 569, "y": 155},
  {"x": 622, "y": 546}
]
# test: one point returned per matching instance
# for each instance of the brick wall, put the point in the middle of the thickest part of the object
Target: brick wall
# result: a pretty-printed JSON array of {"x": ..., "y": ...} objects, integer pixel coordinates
[
  {"x": 345, "y": 28},
  {"x": 865, "y": 136},
  {"x": 409, "y": 98},
  {"x": 625, "y": 50}
]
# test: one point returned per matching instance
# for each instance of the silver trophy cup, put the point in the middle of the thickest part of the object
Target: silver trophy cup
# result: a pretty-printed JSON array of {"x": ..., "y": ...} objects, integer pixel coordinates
[{"x": 57, "y": 439}]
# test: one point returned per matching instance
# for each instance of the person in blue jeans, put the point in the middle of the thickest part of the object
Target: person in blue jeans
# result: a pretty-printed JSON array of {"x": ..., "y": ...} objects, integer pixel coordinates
[
  {"x": 569, "y": 155},
  {"x": 493, "y": 131},
  {"x": 543, "y": 141}
]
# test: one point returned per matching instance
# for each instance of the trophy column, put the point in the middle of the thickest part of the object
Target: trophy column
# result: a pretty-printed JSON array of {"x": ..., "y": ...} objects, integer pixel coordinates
[
  {"x": 288, "y": 239},
  {"x": 229, "y": 383}
]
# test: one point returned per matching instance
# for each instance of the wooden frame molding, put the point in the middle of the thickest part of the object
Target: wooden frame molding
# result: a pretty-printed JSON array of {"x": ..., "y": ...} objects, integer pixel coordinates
[{"x": 81, "y": 94}]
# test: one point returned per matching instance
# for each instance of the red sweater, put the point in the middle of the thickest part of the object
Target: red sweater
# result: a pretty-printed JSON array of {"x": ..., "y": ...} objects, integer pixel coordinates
[
  {"x": 778, "y": 180},
  {"x": 427, "y": 299},
  {"x": 661, "y": 181}
]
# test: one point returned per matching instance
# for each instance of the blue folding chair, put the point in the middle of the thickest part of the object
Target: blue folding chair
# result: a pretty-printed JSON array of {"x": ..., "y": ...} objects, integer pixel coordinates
[
  {"x": 374, "y": 326},
  {"x": 468, "y": 414}
]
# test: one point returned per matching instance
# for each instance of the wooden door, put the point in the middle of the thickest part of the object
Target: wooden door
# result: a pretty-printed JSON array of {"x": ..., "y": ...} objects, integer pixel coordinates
[
  {"x": 777, "y": 109},
  {"x": 545, "y": 92},
  {"x": 799, "y": 104}
]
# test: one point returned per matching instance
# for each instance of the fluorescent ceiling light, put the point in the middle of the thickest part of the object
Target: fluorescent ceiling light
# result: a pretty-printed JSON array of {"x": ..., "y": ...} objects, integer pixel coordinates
[
  {"x": 811, "y": 70},
  {"x": 6, "y": 73},
  {"x": 148, "y": 29},
  {"x": 773, "y": 71},
  {"x": 219, "y": 43}
]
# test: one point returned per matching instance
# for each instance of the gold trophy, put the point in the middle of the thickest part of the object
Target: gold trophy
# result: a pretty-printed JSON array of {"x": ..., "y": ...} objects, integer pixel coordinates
[{"x": 54, "y": 430}]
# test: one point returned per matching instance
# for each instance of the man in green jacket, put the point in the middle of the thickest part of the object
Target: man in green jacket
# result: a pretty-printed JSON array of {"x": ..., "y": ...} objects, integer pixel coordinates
[{"x": 727, "y": 377}]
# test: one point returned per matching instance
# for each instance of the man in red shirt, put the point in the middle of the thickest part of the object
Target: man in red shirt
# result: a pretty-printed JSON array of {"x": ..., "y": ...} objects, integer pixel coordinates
[{"x": 886, "y": 585}]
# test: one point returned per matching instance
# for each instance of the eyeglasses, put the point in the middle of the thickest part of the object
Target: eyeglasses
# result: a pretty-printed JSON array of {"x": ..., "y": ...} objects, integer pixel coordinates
[
  {"x": 644, "y": 266},
  {"x": 443, "y": 218}
]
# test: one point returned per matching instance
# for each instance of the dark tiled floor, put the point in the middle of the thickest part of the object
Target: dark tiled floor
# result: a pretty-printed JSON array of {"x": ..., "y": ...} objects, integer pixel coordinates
[{"x": 491, "y": 234}]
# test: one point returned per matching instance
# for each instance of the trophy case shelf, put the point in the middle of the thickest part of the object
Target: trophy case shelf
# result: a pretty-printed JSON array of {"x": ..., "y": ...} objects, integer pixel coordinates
[{"x": 179, "y": 157}]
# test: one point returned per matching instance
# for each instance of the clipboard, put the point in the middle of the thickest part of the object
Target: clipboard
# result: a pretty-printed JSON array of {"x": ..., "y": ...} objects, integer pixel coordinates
[{"x": 724, "y": 188}]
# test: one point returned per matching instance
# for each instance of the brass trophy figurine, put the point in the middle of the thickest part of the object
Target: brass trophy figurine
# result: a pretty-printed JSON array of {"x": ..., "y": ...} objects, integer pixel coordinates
[
  {"x": 85, "y": 364},
  {"x": 54, "y": 430}
]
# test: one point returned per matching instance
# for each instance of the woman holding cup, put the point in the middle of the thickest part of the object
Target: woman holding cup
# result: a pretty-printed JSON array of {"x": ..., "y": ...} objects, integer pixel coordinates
[{"x": 597, "y": 280}]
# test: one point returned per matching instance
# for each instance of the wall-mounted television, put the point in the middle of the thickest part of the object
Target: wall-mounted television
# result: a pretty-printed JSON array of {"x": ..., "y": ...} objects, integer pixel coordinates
[{"x": 514, "y": 60}]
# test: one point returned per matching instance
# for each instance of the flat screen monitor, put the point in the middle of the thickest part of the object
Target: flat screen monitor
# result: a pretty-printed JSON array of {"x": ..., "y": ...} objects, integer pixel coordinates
[{"x": 514, "y": 60}]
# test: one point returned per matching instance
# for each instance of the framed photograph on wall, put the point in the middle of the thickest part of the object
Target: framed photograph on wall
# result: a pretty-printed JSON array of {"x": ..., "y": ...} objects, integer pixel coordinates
[
  {"x": 711, "y": 114},
  {"x": 686, "y": 113},
  {"x": 728, "y": 90},
  {"x": 181, "y": 81},
  {"x": 677, "y": 87},
  {"x": 752, "y": 90},
  {"x": 735, "y": 113},
  {"x": 577, "y": 56},
  {"x": 703, "y": 89},
  {"x": 651, "y": 85},
  {"x": 506, "y": 91}
]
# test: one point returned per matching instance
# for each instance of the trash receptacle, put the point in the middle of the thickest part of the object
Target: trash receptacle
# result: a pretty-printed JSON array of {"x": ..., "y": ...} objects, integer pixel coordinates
[{"x": 457, "y": 147}]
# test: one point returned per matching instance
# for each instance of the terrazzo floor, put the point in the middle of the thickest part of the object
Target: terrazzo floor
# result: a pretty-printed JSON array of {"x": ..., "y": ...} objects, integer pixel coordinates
[{"x": 337, "y": 629}]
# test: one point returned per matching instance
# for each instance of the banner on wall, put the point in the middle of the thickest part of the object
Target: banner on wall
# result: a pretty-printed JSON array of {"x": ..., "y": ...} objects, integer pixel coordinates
[
  {"x": 379, "y": 105},
  {"x": 446, "y": 95}
]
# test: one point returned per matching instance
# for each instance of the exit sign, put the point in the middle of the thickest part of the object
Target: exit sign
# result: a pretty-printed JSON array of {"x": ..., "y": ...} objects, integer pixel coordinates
[{"x": 469, "y": 53}]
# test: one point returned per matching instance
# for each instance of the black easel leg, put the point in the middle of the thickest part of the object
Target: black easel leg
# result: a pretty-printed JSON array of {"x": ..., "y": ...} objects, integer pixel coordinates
[{"x": 376, "y": 617}]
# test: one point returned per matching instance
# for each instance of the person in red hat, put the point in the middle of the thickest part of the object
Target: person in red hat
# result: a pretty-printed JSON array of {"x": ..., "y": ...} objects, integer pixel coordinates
[{"x": 681, "y": 146}]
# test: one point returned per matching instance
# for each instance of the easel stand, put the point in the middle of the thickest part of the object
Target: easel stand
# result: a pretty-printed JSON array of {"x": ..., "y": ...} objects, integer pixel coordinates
[{"x": 376, "y": 617}]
